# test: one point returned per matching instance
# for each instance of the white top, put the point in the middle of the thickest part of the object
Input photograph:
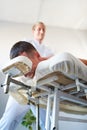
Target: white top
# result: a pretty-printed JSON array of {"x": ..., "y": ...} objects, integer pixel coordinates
[{"x": 43, "y": 50}]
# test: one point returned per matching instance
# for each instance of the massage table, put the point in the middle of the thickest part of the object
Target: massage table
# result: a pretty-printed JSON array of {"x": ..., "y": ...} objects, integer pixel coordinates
[{"x": 59, "y": 84}]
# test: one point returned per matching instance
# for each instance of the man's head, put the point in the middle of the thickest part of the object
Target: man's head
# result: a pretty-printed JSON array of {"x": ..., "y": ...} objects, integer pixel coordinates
[
  {"x": 26, "y": 49},
  {"x": 39, "y": 30},
  {"x": 20, "y": 47}
]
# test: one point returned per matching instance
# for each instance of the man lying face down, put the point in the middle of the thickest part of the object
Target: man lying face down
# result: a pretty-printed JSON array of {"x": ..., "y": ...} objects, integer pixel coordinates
[{"x": 23, "y": 48}]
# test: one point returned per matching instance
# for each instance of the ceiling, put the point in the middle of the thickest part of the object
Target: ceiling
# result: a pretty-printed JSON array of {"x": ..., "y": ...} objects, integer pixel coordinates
[{"x": 58, "y": 13}]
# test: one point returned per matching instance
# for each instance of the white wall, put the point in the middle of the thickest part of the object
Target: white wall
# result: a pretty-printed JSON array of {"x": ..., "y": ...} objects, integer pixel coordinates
[
  {"x": 72, "y": 41},
  {"x": 58, "y": 39}
]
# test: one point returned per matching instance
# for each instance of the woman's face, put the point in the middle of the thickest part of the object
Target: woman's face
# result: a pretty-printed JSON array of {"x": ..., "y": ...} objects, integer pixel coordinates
[{"x": 39, "y": 32}]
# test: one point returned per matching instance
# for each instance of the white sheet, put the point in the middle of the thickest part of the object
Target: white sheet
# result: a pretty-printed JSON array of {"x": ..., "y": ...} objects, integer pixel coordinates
[{"x": 65, "y": 63}]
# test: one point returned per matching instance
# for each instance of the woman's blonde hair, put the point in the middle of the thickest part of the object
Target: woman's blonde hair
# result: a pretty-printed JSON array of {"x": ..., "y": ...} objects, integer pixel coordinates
[{"x": 37, "y": 23}]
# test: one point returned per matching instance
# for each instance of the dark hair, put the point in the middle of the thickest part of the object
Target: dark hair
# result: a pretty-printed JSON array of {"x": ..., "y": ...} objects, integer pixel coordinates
[{"x": 19, "y": 47}]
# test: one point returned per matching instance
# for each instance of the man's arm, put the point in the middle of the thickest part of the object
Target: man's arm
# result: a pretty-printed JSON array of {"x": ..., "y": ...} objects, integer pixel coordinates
[{"x": 84, "y": 61}]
